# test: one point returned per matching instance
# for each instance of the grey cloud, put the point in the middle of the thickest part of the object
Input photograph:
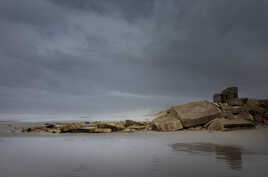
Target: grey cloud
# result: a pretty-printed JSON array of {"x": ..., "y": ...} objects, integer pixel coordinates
[
  {"x": 216, "y": 43},
  {"x": 99, "y": 55}
]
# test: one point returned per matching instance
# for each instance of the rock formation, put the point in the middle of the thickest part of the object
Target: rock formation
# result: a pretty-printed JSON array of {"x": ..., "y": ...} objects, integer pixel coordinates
[
  {"x": 167, "y": 123},
  {"x": 226, "y": 95},
  {"x": 196, "y": 113},
  {"x": 186, "y": 116},
  {"x": 227, "y": 112}
]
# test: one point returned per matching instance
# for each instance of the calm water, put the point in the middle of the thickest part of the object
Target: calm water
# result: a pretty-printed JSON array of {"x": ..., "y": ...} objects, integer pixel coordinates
[{"x": 186, "y": 154}]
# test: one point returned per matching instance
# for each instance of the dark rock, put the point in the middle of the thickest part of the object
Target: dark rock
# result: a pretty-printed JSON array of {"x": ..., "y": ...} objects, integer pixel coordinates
[
  {"x": 82, "y": 130},
  {"x": 217, "y": 98},
  {"x": 265, "y": 115},
  {"x": 244, "y": 100},
  {"x": 259, "y": 119},
  {"x": 229, "y": 94},
  {"x": 226, "y": 95},
  {"x": 50, "y": 125},
  {"x": 263, "y": 104}
]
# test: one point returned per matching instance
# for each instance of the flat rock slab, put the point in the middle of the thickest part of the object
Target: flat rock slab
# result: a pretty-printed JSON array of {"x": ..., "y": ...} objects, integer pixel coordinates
[
  {"x": 236, "y": 123},
  {"x": 226, "y": 124},
  {"x": 196, "y": 113}
]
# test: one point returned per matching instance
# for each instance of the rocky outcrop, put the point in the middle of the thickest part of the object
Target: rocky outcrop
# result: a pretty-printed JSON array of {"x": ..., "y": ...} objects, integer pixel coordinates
[
  {"x": 241, "y": 108},
  {"x": 227, "y": 112},
  {"x": 191, "y": 115},
  {"x": 230, "y": 93},
  {"x": 234, "y": 112},
  {"x": 196, "y": 113}
]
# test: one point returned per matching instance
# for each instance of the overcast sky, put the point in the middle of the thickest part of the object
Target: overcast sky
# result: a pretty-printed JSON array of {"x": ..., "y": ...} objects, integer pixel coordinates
[{"x": 109, "y": 55}]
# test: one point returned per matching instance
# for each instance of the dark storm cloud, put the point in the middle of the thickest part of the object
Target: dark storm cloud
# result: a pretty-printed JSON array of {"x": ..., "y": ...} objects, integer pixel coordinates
[{"x": 88, "y": 55}]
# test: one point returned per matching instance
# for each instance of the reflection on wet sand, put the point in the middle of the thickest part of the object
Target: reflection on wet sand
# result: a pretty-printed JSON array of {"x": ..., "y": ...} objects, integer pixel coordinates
[{"x": 232, "y": 155}]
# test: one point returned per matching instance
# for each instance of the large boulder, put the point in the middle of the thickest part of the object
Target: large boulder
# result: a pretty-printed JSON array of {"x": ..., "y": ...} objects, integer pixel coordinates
[
  {"x": 167, "y": 123},
  {"x": 226, "y": 124},
  {"x": 196, "y": 113}
]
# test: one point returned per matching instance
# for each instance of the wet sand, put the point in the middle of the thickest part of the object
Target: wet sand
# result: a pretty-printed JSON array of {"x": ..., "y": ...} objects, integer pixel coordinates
[{"x": 183, "y": 153}]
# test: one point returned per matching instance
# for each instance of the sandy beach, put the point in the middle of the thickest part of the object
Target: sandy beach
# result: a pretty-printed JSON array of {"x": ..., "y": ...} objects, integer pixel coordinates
[{"x": 182, "y": 153}]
